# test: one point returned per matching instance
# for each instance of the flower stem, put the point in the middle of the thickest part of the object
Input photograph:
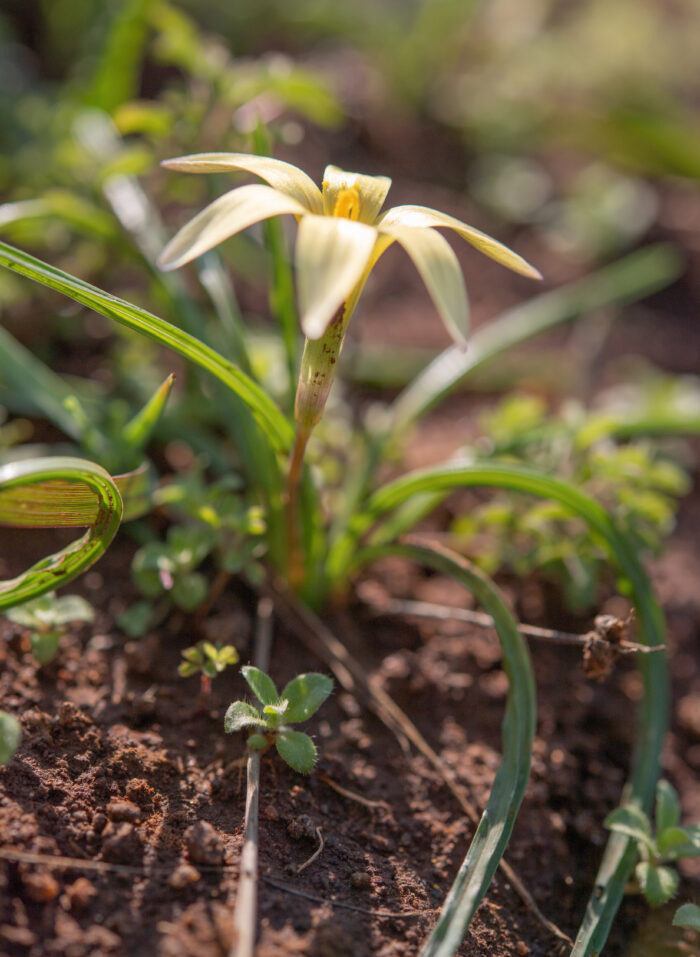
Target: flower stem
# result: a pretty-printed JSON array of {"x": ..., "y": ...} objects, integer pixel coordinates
[
  {"x": 318, "y": 364},
  {"x": 295, "y": 555}
]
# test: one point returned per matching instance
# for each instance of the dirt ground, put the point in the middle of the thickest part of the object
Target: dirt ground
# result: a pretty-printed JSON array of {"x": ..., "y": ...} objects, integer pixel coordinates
[{"x": 126, "y": 773}]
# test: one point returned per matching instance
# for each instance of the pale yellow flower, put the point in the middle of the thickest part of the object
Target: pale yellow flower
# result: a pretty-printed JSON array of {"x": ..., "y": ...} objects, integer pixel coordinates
[{"x": 342, "y": 233}]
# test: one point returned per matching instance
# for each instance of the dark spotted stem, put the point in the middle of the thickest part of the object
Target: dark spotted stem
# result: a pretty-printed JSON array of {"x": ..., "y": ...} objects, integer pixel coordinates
[{"x": 318, "y": 364}]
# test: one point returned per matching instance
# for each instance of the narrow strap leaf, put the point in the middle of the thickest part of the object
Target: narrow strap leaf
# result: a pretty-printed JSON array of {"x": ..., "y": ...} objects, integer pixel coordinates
[
  {"x": 62, "y": 503},
  {"x": 620, "y": 853},
  {"x": 494, "y": 830},
  {"x": 277, "y": 429},
  {"x": 31, "y": 478}
]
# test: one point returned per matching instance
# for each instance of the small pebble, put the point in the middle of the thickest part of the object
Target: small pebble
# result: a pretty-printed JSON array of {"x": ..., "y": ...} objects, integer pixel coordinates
[
  {"x": 99, "y": 822},
  {"x": 123, "y": 811},
  {"x": 204, "y": 845},
  {"x": 40, "y": 886},
  {"x": 300, "y": 827},
  {"x": 360, "y": 880},
  {"x": 123, "y": 846},
  {"x": 80, "y": 893},
  {"x": 183, "y": 876}
]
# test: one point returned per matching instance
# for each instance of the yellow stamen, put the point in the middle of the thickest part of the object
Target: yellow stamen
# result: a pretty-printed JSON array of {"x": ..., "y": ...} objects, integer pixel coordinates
[{"x": 347, "y": 203}]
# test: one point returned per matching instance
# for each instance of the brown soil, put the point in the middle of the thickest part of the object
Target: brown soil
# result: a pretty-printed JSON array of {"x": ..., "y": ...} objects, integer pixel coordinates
[{"x": 124, "y": 768}]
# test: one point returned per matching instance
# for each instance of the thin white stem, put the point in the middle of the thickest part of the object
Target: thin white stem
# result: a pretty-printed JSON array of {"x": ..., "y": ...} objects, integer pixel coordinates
[
  {"x": 321, "y": 845},
  {"x": 245, "y": 913},
  {"x": 425, "y": 609}
]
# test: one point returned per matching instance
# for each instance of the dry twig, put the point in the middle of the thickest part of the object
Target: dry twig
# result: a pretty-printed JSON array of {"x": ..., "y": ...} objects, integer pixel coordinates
[{"x": 245, "y": 913}]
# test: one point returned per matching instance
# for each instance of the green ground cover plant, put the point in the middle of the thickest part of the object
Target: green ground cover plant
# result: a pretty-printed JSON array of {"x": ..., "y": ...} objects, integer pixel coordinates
[
  {"x": 270, "y": 724},
  {"x": 47, "y": 618},
  {"x": 671, "y": 842}
]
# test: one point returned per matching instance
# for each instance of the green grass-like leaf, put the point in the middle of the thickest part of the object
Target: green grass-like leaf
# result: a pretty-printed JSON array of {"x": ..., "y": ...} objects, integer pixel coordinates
[
  {"x": 668, "y": 809},
  {"x": 496, "y": 825},
  {"x": 67, "y": 475},
  {"x": 10, "y": 734},
  {"x": 273, "y": 424},
  {"x": 620, "y": 853},
  {"x": 633, "y": 277}
]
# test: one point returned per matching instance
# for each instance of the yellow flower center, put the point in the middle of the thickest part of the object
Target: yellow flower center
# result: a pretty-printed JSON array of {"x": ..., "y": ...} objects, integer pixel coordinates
[{"x": 347, "y": 203}]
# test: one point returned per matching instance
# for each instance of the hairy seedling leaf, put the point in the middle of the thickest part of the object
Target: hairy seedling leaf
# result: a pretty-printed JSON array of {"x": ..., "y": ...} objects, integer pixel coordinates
[
  {"x": 45, "y": 645},
  {"x": 305, "y": 694},
  {"x": 297, "y": 749},
  {"x": 633, "y": 822},
  {"x": 658, "y": 884},
  {"x": 189, "y": 591},
  {"x": 70, "y": 608},
  {"x": 687, "y": 915},
  {"x": 260, "y": 684},
  {"x": 277, "y": 711},
  {"x": 241, "y": 715},
  {"x": 677, "y": 842}
]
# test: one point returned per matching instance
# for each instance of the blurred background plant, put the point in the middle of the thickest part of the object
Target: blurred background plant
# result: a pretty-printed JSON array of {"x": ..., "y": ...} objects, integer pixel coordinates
[{"x": 553, "y": 120}]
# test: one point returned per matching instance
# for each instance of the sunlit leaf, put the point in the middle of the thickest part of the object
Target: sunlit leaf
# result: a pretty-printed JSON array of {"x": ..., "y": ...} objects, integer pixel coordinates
[
  {"x": 241, "y": 715},
  {"x": 297, "y": 749},
  {"x": 260, "y": 684},
  {"x": 305, "y": 694}
]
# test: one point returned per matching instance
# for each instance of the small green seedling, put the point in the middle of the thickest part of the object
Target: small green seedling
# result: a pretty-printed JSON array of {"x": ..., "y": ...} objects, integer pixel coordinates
[
  {"x": 10, "y": 734},
  {"x": 47, "y": 619},
  {"x": 687, "y": 915},
  {"x": 301, "y": 698},
  {"x": 671, "y": 842},
  {"x": 208, "y": 660}
]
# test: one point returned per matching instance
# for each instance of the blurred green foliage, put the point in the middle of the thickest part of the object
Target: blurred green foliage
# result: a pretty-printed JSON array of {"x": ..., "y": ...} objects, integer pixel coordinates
[{"x": 639, "y": 480}]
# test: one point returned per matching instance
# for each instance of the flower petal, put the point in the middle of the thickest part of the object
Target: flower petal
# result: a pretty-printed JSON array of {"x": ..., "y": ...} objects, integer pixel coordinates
[
  {"x": 227, "y": 215},
  {"x": 439, "y": 268},
  {"x": 372, "y": 191},
  {"x": 423, "y": 216},
  {"x": 286, "y": 178},
  {"x": 331, "y": 255}
]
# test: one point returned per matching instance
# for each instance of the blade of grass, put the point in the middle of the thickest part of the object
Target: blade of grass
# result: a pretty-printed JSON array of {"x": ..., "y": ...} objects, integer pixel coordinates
[
  {"x": 494, "y": 830},
  {"x": 282, "y": 297},
  {"x": 620, "y": 853},
  {"x": 31, "y": 378},
  {"x": 633, "y": 277},
  {"x": 63, "y": 566},
  {"x": 273, "y": 424}
]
